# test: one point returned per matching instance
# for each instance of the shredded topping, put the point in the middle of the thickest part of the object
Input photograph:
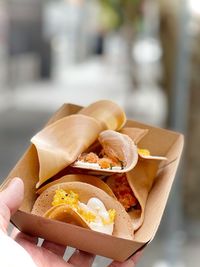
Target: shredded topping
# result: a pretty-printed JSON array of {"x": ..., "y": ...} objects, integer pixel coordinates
[
  {"x": 87, "y": 215},
  {"x": 94, "y": 211},
  {"x": 62, "y": 197},
  {"x": 123, "y": 191},
  {"x": 102, "y": 160}
]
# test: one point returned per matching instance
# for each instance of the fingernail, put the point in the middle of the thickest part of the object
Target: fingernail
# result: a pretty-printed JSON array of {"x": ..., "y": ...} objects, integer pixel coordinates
[
  {"x": 14, "y": 182},
  {"x": 15, "y": 186},
  {"x": 10, "y": 182}
]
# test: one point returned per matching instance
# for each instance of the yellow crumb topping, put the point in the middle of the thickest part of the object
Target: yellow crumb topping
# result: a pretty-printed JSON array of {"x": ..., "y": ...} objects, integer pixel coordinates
[
  {"x": 72, "y": 199},
  {"x": 62, "y": 197},
  {"x": 112, "y": 215},
  {"x": 87, "y": 215},
  {"x": 143, "y": 152}
]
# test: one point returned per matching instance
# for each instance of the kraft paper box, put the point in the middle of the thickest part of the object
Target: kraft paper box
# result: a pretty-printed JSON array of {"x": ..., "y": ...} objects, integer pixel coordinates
[{"x": 158, "y": 141}]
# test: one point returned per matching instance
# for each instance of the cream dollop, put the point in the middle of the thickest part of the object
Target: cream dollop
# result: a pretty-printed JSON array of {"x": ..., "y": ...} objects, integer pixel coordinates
[
  {"x": 102, "y": 222},
  {"x": 93, "y": 212}
]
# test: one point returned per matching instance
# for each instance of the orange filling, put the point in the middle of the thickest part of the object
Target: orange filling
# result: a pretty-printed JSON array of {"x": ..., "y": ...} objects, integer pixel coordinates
[
  {"x": 123, "y": 191},
  {"x": 104, "y": 162}
]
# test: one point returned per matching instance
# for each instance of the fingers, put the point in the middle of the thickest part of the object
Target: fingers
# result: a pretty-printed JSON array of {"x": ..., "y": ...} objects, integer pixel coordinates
[
  {"x": 129, "y": 263},
  {"x": 20, "y": 237},
  {"x": 10, "y": 200},
  {"x": 80, "y": 258},
  {"x": 13, "y": 195},
  {"x": 29, "y": 243},
  {"x": 55, "y": 248}
]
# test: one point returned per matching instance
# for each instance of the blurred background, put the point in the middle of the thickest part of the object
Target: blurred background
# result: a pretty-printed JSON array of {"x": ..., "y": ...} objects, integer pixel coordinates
[{"x": 143, "y": 54}]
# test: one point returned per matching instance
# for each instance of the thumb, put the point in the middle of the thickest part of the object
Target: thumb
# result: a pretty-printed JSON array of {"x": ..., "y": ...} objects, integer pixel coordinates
[{"x": 10, "y": 200}]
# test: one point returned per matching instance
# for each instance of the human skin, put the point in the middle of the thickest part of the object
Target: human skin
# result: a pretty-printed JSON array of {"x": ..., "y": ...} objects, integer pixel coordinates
[{"x": 25, "y": 247}]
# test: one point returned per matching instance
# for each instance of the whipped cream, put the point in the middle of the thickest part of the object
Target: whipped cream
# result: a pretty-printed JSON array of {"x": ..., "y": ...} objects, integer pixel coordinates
[{"x": 102, "y": 222}]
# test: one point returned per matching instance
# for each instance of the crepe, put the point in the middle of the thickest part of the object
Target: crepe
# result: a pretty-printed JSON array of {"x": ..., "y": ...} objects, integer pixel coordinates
[
  {"x": 108, "y": 113},
  {"x": 59, "y": 144},
  {"x": 139, "y": 184},
  {"x": 88, "y": 179},
  {"x": 136, "y": 134},
  {"x": 67, "y": 213},
  {"x": 95, "y": 141},
  {"x": 118, "y": 154}
]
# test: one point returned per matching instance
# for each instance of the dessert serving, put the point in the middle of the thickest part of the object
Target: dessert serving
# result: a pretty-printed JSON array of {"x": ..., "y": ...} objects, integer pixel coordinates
[
  {"x": 95, "y": 142},
  {"x": 96, "y": 181}
]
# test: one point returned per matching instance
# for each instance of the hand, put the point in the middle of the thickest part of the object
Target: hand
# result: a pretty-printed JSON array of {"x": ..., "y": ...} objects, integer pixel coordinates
[
  {"x": 130, "y": 262},
  {"x": 49, "y": 254}
]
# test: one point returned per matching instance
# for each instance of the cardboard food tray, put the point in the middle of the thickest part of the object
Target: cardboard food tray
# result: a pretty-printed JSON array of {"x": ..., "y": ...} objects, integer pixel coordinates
[{"x": 158, "y": 141}]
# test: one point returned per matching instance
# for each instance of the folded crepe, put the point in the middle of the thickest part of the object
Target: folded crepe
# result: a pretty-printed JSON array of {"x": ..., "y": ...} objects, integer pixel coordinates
[
  {"x": 64, "y": 143},
  {"x": 59, "y": 144},
  {"x": 133, "y": 189},
  {"x": 88, "y": 179},
  {"x": 118, "y": 153},
  {"x": 108, "y": 113},
  {"x": 136, "y": 134},
  {"x": 84, "y": 205},
  {"x": 114, "y": 152},
  {"x": 140, "y": 179}
]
